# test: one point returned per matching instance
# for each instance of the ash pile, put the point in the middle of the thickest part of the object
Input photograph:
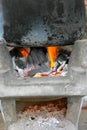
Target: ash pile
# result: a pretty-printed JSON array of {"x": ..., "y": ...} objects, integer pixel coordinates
[
  {"x": 44, "y": 116},
  {"x": 40, "y": 62}
]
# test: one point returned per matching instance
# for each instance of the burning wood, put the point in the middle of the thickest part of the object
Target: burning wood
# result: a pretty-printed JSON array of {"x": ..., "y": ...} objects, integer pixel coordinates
[
  {"x": 40, "y": 62},
  {"x": 18, "y": 51},
  {"x": 23, "y": 51}
]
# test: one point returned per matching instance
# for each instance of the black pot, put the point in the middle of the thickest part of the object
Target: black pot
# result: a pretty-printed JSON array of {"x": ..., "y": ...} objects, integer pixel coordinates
[{"x": 43, "y": 22}]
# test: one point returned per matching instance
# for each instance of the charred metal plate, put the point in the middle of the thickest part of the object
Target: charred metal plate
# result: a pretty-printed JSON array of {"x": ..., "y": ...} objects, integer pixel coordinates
[{"x": 43, "y": 22}]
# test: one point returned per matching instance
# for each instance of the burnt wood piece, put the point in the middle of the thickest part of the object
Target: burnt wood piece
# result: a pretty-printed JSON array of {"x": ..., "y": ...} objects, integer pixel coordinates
[
  {"x": 43, "y": 68},
  {"x": 37, "y": 56},
  {"x": 42, "y": 22}
]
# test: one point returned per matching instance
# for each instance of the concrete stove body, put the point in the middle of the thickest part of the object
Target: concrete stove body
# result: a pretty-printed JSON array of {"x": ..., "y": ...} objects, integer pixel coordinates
[
  {"x": 74, "y": 86},
  {"x": 63, "y": 23}
]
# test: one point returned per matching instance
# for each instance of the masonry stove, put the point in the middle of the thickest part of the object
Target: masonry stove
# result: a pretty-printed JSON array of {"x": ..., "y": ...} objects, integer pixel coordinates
[{"x": 39, "y": 24}]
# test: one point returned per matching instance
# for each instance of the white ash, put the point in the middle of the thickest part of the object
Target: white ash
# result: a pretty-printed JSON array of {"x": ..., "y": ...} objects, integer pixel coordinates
[
  {"x": 40, "y": 123},
  {"x": 44, "y": 116},
  {"x": 39, "y": 119}
]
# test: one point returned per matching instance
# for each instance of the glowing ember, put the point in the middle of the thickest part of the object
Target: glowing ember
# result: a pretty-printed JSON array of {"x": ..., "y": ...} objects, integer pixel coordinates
[
  {"x": 24, "y": 52},
  {"x": 52, "y": 53},
  {"x": 50, "y": 74},
  {"x": 46, "y": 107}
]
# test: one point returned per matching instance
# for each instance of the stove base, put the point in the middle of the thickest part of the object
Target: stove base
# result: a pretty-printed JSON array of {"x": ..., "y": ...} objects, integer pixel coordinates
[
  {"x": 74, "y": 86},
  {"x": 8, "y": 110}
]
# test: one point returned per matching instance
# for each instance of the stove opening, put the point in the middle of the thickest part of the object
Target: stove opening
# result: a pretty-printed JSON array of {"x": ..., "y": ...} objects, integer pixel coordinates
[{"x": 40, "y": 61}]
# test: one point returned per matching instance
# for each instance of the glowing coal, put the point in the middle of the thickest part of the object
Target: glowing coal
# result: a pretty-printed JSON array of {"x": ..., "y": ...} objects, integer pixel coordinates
[{"x": 40, "y": 62}]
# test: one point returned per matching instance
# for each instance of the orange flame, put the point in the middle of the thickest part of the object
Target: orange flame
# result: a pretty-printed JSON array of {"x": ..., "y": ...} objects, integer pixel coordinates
[
  {"x": 52, "y": 53},
  {"x": 23, "y": 51}
]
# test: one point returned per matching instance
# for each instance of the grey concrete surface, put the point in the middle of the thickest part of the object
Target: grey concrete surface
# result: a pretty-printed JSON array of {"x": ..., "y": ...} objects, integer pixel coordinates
[
  {"x": 1, "y": 123},
  {"x": 8, "y": 109},
  {"x": 75, "y": 83},
  {"x": 83, "y": 120}
]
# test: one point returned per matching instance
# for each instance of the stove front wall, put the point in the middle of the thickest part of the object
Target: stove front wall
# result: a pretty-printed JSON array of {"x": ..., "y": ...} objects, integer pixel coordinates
[{"x": 43, "y": 22}]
